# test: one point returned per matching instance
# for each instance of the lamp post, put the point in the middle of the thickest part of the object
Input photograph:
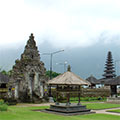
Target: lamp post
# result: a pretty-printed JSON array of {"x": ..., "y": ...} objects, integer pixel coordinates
[
  {"x": 64, "y": 64},
  {"x": 51, "y": 57}
]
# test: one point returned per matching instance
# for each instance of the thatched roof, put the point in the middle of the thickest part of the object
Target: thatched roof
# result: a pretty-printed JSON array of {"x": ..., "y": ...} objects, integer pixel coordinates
[
  {"x": 4, "y": 78},
  {"x": 104, "y": 80},
  {"x": 68, "y": 78},
  {"x": 115, "y": 81},
  {"x": 92, "y": 80}
]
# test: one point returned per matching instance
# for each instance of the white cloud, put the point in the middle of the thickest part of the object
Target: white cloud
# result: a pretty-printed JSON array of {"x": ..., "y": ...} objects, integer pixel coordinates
[{"x": 66, "y": 23}]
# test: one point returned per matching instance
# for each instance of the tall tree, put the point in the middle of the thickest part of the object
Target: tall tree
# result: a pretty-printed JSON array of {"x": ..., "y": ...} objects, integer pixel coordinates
[{"x": 54, "y": 74}]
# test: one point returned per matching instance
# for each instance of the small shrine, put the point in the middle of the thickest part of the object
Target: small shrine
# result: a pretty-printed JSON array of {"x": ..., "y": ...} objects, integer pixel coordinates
[{"x": 68, "y": 83}]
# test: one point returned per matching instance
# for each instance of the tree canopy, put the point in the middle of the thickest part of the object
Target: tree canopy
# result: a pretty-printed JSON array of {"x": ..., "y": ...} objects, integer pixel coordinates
[{"x": 54, "y": 74}]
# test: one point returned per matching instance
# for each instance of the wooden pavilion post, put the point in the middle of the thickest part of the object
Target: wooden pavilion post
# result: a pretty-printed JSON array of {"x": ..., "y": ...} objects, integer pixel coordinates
[
  {"x": 68, "y": 96},
  {"x": 57, "y": 103},
  {"x": 79, "y": 95}
]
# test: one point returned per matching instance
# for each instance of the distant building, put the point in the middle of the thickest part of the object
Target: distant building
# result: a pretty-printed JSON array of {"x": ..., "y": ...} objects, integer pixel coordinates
[
  {"x": 29, "y": 74},
  {"x": 93, "y": 81},
  {"x": 4, "y": 81}
]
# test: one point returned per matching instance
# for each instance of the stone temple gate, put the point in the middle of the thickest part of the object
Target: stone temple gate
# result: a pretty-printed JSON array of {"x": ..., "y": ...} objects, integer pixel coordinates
[{"x": 29, "y": 74}]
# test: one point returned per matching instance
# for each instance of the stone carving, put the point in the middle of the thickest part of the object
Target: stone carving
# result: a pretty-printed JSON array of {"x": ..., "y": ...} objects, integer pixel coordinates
[{"x": 29, "y": 74}]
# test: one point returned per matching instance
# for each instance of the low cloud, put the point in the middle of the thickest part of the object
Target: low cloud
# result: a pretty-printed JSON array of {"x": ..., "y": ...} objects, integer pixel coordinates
[{"x": 63, "y": 23}]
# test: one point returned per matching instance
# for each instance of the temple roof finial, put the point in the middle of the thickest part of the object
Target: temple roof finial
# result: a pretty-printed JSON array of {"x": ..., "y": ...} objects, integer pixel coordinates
[
  {"x": 69, "y": 68},
  {"x": 31, "y": 36}
]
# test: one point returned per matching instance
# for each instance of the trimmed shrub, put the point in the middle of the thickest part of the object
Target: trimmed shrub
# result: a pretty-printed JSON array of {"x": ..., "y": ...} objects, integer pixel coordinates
[{"x": 3, "y": 106}]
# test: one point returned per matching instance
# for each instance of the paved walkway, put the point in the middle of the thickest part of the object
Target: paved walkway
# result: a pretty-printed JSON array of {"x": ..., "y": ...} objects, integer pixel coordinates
[
  {"x": 31, "y": 105},
  {"x": 104, "y": 111}
]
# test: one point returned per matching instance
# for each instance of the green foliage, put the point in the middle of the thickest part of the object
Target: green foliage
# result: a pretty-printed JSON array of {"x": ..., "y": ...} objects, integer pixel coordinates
[
  {"x": 9, "y": 73},
  {"x": 4, "y": 72},
  {"x": 1, "y": 101},
  {"x": 3, "y": 106},
  {"x": 54, "y": 74}
]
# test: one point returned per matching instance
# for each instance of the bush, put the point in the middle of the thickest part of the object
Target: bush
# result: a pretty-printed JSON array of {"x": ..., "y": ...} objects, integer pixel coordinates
[{"x": 3, "y": 106}]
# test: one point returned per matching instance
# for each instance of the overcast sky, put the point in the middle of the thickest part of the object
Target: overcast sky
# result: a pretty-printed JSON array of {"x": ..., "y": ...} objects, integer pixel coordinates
[
  {"x": 86, "y": 29},
  {"x": 64, "y": 23}
]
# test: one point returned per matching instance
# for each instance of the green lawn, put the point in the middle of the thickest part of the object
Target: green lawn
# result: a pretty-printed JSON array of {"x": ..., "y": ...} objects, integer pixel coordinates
[
  {"x": 117, "y": 111},
  {"x": 26, "y": 113},
  {"x": 97, "y": 106},
  {"x": 88, "y": 99}
]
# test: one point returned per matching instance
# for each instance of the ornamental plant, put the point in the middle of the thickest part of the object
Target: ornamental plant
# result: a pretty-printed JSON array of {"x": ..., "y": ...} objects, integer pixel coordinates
[{"x": 3, "y": 105}]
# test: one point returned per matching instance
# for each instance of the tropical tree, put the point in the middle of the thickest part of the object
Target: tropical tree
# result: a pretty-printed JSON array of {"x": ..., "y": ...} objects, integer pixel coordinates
[{"x": 54, "y": 74}]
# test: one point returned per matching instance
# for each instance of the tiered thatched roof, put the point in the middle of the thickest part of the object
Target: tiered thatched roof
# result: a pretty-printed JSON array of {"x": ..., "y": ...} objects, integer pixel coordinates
[
  {"x": 115, "y": 81},
  {"x": 104, "y": 81},
  {"x": 68, "y": 78}
]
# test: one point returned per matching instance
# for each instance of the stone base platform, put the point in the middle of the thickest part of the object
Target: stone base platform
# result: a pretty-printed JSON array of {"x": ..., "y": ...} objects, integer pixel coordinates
[
  {"x": 113, "y": 100},
  {"x": 71, "y": 109}
]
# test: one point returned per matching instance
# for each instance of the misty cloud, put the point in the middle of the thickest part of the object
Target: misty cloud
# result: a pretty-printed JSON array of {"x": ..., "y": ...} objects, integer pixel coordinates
[{"x": 63, "y": 23}]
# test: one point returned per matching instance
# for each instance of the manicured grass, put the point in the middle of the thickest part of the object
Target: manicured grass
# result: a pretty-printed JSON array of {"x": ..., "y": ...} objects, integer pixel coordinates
[
  {"x": 97, "y": 106},
  {"x": 26, "y": 113},
  {"x": 83, "y": 99},
  {"x": 88, "y": 99},
  {"x": 117, "y": 111}
]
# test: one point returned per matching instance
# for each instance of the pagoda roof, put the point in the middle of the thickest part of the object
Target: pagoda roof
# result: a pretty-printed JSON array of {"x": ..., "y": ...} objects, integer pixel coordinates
[
  {"x": 4, "y": 78},
  {"x": 68, "y": 78},
  {"x": 104, "y": 80},
  {"x": 109, "y": 64},
  {"x": 110, "y": 67},
  {"x": 110, "y": 70},
  {"x": 108, "y": 74},
  {"x": 115, "y": 81}
]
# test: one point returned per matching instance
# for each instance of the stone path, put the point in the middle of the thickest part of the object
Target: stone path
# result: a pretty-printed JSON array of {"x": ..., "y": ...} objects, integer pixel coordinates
[
  {"x": 104, "y": 111},
  {"x": 31, "y": 105}
]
